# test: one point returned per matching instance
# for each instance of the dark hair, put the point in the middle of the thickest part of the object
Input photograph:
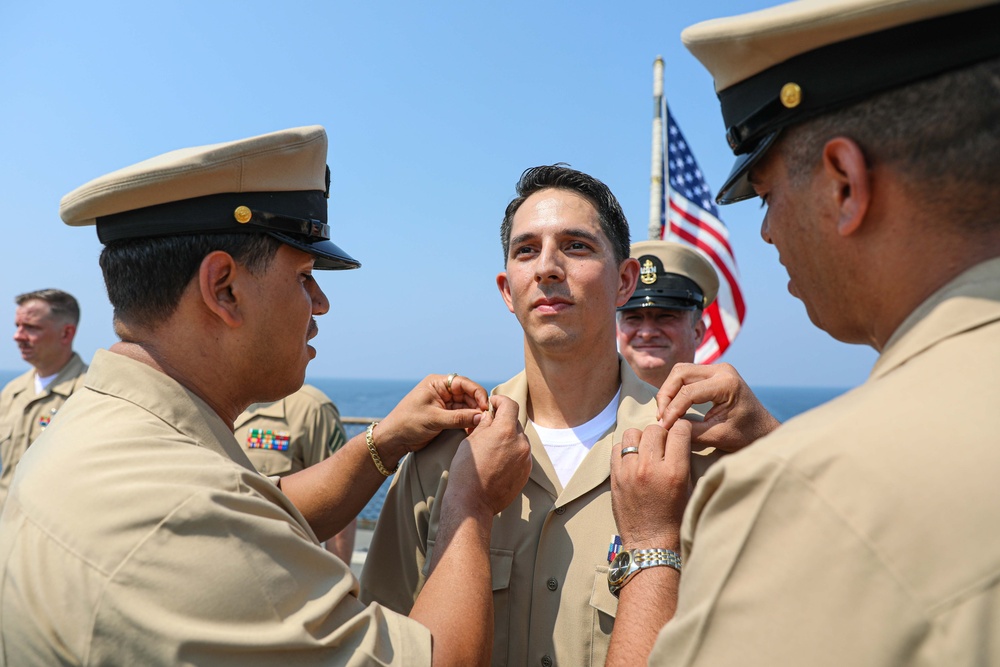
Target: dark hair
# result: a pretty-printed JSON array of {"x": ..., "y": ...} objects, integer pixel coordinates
[
  {"x": 145, "y": 277},
  {"x": 62, "y": 305},
  {"x": 942, "y": 135},
  {"x": 609, "y": 211}
]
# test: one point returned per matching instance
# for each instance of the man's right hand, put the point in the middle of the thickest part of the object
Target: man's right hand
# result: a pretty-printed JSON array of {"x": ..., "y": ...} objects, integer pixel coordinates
[
  {"x": 492, "y": 464},
  {"x": 737, "y": 417}
]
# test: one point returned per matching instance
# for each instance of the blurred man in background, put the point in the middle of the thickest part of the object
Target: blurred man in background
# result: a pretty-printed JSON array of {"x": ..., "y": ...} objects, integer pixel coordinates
[
  {"x": 288, "y": 435},
  {"x": 45, "y": 323}
]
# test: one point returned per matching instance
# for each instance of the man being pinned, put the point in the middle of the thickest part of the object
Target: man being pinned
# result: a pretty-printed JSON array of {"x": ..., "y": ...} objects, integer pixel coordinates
[{"x": 566, "y": 270}]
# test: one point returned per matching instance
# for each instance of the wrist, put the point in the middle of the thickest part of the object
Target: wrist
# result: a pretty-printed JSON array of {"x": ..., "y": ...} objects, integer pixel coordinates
[
  {"x": 670, "y": 541},
  {"x": 385, "y": 457}
]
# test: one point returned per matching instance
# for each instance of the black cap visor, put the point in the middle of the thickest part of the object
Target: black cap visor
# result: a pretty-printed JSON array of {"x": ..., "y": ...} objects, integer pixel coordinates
[
  {"x": 660, "y": 301},
  {"x": 328, "y": 255},
  {"x": 737, "y": 186}
]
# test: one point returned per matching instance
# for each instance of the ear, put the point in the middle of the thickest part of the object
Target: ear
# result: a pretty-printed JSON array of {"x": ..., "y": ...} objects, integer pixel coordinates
[
  {"x": 68, "y": 331},
  {"x": 699, "y": 329},
  {"x": 849, "y": 177},
  {"x": 221, "y": 287},
  {"x": 628, "y": 273},
  {"x": 504, "y": 288}
]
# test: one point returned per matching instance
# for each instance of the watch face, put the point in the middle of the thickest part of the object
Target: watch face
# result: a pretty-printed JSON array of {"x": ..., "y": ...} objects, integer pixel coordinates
[{"x": 619, "y": 567}]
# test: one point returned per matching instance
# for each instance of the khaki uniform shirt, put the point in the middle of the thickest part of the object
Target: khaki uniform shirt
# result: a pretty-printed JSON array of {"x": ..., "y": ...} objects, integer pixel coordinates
[
  {"x": 549, "y": 548},
  {"x": 137, "y": 533},
  {"x": 867, "y": 531},
  {"x": 25, "y": 414},
  {"x": 292, "y": 434}
]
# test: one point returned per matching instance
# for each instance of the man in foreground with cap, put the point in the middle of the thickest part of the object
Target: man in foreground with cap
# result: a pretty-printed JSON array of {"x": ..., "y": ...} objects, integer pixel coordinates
[
  {"x": 45, "y": 324},
  {"x": 864, "y": 531},
  {"x": 137, "y": 532},
  {"x": 566, "y": 270}
]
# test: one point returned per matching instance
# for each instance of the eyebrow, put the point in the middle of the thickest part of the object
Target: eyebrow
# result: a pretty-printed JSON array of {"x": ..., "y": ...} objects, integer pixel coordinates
[{"x": 575, "y": 233}]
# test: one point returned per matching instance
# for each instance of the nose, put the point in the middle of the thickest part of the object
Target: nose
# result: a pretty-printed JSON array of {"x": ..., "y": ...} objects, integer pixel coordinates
[
  {"x": 20, "y": 335},
  {"x": 549, "y": 268},
  {"x": 765, "y": 231},
  {"x": 321, "y": 305}
]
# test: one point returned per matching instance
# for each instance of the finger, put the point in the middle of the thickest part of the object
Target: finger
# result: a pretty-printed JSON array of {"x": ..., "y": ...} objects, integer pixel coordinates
[
  {"x": 472, "y": 394},
  {"x": 680, "y": 375},
  {"x": 460, "y": 418},
  {"x": 504, "y": 409},
  {"x": 677, "y": 447},
  {"x": 630, "y": 438},
  {"x": 713, "y": 389},
  {"x": 654, "y": 439}
]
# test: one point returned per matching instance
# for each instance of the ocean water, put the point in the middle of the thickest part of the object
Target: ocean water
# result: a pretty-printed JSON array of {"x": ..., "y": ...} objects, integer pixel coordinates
[{"x": 373, "y": 399}]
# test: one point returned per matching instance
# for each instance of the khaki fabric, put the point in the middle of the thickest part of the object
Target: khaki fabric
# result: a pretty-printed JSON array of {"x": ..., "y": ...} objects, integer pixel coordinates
[
  {"x": 863, "y": 532},
  {"x": 137, "y": 533},
  {"x": 25, "y": 414},
  {"x": 306, "y": 423},
  {"x": 549, "y": 548}
]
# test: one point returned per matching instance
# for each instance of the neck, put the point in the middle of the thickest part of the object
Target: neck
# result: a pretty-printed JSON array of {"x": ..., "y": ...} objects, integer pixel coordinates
[
  {"x": 46, "y": 370},
  {"x": 922, "y": 275},
  {"x": 194, "y": 372},
  {"x": 568, "y": 391}
]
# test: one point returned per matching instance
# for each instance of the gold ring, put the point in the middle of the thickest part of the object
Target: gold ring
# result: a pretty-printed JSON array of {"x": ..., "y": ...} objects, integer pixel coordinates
[
  {"x": 451, "y": 378},
  {"x": 629, "y": 450}
]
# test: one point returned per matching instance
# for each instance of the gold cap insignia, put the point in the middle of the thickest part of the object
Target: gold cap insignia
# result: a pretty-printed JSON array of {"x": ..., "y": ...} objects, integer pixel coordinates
[
  {"x": 791, "y": 95},
  {"x": 242, "y": 214},
  {"x": 647, "y": 273}
]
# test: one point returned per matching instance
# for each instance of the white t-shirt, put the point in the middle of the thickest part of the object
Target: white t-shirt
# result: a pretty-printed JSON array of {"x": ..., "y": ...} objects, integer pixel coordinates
[
  {"x": 567, "y": 447},
  {"x": 42, "y": 383}
]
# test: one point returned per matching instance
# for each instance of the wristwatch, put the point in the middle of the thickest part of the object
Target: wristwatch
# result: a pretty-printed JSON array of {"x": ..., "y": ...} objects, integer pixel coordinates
[{"x": 627, "y": 563}]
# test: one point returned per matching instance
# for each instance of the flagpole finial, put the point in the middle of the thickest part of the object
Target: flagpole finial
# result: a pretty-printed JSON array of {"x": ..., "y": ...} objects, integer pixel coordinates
[{"x": 658, "y": 77}]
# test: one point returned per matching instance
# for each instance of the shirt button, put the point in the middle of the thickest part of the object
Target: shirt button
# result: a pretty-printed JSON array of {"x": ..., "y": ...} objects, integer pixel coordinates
[
  {"x": 552, "y": 584},
  {"x": 560, "y": 510},
  {"x": 546, "y": 661}
]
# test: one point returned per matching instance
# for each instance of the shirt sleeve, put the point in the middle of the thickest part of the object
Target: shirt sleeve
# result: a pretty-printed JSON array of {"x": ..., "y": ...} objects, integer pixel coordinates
[
  {"x": 775, "y": 575},
  {"x": 401, "y": 546},
  {"x": 260, "y": 592},
  {"x": 325, "y": 433}
]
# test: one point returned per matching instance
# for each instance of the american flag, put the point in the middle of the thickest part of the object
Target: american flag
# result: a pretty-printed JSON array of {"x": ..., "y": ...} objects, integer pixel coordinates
[{"x": 689, "y": 215}]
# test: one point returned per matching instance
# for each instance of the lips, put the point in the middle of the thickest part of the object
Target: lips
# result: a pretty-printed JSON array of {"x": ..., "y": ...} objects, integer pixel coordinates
[{"x": 551, "y": 304}]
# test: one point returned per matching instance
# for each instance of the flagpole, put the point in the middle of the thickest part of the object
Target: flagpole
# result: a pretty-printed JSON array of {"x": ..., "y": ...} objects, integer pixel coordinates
[{"x": 656, "y": 177}]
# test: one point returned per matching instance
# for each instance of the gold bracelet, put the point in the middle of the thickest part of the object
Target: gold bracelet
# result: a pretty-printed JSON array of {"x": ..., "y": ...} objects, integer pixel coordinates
[{"x": 370, "y": 441}]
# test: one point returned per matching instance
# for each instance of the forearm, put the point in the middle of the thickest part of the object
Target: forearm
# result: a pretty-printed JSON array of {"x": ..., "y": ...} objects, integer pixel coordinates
[
  {"x": 330, "y": 494},
  {"x": 341, "y": 545},
  {"x": 645, "y": 604},
  {"x": 456, "y": 603}
]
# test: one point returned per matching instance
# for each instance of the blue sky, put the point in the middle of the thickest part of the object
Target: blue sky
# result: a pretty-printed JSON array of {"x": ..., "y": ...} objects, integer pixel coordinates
[{"x": 432, "y": 109}]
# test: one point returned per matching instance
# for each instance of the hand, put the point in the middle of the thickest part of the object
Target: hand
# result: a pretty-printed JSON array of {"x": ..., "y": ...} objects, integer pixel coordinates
[
  {"x": 429, "y": 408},
  {"x": 650, "y": 489},
  {"x": 737, "y": 417},
  {"x": 492, "y": 465}
]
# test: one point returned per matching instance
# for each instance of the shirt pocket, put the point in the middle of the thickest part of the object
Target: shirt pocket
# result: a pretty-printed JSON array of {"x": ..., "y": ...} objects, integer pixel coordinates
[{"x": 605, "y": 608}]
